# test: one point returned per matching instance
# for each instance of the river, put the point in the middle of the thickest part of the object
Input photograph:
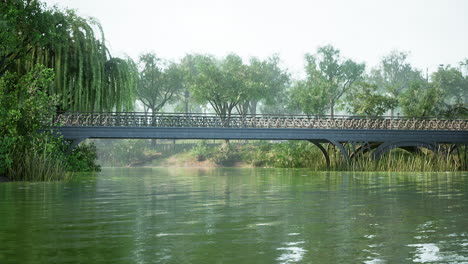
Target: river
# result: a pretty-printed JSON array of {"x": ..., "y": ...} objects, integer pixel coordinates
[{"x": 236, "y": 215}]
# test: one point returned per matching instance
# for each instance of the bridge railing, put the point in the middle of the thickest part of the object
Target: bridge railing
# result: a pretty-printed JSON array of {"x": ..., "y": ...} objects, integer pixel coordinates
[{"x": 136, "y": 119}]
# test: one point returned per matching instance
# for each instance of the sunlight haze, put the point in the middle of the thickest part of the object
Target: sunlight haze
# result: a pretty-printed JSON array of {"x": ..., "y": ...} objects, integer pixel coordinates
[{"x": 433, "y": 31}]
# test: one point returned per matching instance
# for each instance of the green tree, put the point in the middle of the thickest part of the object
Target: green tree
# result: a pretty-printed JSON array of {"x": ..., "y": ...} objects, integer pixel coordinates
[
  {"x": 23, "y": 26},
  {"x": 219, "y": 83},
  {"x": 453, "y": 83},
  {"x": 365, "y": 99},
  {"x": 454, "y": 89},
  {"x": 309, "y": 97},
  {"x": 394, "y": 75},
  {"x": 266, "y": 83},
  {"x": 32, "y": 35},
  {"x": 330, "y": 76},
  {"x": 25, "y": 108},
  {"x": 158, "y": 82},
  {"x": 186, "y": 102},
  {"x": 87, "y": 77},
  {"x": 421, "y": 99},
  {"x": 282, "y": 104}
]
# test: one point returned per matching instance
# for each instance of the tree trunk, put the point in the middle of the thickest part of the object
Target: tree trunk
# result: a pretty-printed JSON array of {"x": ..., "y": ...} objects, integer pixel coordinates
[
  {"x": 253, "y": 107},
  {"x": 332, "y": 108}
]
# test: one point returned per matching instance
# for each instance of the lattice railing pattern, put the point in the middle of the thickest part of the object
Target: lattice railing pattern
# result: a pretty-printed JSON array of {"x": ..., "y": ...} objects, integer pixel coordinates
[{"x": 256, "y": 121}]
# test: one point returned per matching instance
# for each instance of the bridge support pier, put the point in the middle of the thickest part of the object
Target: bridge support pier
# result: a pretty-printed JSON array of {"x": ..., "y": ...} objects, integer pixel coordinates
[
  {"x": 74, "y": 143},
  {"x": 325, "y": 152},
  {"x": 351, "y": 151},
  {"x": 342, "y": 150}
]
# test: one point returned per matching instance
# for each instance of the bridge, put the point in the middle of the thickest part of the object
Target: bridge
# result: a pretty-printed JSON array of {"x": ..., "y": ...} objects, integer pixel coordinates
[{"x": 379, "y": 134}]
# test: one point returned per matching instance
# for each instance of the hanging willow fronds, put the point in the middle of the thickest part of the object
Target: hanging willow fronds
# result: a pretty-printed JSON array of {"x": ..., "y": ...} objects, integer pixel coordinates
[{"x": 87, "y": 78}]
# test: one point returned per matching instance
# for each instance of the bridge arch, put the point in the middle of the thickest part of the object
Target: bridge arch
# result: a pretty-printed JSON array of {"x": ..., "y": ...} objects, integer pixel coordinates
[
  {"x": 323, "y": 150},
  {"x": 364, "y": 148},
  {"x": 342, "y": 149},
  {"x": 387, "y": 146}
]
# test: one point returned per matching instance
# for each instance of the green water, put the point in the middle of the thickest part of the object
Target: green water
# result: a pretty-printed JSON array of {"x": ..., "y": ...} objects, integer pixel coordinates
[{"x": 237, "y": 216}]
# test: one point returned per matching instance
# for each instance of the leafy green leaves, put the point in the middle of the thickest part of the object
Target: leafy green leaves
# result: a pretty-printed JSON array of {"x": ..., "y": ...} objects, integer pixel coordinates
[
  {"x": 329, "y": 77},
  {"x": 220, "y": 83},
  {"x": 24, "y": 108},
  {"x": 87, "y": 78},
  {"x": 158, "y": 83},
  {"x": 365, "y": 99}
]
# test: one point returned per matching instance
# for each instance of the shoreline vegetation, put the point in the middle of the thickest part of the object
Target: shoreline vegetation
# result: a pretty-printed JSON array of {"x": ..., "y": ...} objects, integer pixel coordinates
[
  {"x": 52, "y": 60},
  {"x": 287, "y": 154}
]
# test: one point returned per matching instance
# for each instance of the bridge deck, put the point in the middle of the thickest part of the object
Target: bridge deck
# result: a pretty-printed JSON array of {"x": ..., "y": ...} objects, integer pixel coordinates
[{"x": 266, "y": 127}]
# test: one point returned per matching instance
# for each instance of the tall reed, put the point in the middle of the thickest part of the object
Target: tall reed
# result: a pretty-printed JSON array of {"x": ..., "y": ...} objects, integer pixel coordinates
[
  {"x": 401, "y": 161},
  {"x": 299, "y": 154},
  {"x": 38, "y": 162}
]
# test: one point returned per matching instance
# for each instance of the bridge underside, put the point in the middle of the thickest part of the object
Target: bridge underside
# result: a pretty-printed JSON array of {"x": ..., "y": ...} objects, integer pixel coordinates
[
  {"x": 380, "y": 141},
  {"x": 319, "y": 135}
]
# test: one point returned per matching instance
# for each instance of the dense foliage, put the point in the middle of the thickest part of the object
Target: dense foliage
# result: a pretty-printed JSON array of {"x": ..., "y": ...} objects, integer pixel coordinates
[
  {"x": 23, "y": 107},
  {"x": 158, "y": 84},
  {"x": 332, "y": 83},
  {"x": 29, "y": 148},
  {"x": 87, "y": 78},
  {"x": 51, "y": 60}
]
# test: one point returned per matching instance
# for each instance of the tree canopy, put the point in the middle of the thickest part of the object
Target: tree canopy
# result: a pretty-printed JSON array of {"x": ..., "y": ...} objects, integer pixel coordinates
[
  {"x": 266, "y": 83},
  {"x": 329, "y": 77},
  {"x": 158, "y": 83},
  {"x": 87, "y": 77},
  {"x": 394, "y": 76},
  {"x": 220, "y": 83}
]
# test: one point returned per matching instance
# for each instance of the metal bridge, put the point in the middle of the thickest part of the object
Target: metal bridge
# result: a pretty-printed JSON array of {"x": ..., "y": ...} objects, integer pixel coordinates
[{"x": 379, "y": 133}]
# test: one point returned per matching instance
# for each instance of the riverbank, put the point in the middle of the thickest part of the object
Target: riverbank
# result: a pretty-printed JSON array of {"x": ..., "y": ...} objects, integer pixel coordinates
[
  {"x": 187, "y": 160},
  {"x": 292, "y": 154}
]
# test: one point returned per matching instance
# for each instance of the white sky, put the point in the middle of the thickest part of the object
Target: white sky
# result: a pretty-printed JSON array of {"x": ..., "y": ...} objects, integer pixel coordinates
[{"x": 433, "y": 31}]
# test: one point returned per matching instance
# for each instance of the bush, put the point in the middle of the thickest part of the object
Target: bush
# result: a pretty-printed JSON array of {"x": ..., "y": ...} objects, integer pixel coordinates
[
  {"x": 291, "y": 154},
  {"x": 226, "y": 155},
  {"x": 28, "y": 150},
  {"x": 25, "y": 109},
  {"x": 255, "y": 154},
  {"x": 83, "y": 158},
  {"x": 202, "y": 151}
]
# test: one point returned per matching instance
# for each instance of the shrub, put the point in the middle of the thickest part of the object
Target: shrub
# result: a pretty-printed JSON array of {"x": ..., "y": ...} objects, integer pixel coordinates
[
  {"x": 83, "y": 158},
  {"x": 201, "y": 151}
]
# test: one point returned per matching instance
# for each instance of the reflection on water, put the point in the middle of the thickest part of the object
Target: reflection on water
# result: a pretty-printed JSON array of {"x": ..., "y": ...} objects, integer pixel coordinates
[
  {"x": 426, "y": 253},
  {"x": 237, "y": 216},
  {"x": 293, "y": 253}
]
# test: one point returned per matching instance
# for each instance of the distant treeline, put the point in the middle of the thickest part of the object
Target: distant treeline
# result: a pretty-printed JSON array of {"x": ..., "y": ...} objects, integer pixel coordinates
[{"x": 200, "y": 82}]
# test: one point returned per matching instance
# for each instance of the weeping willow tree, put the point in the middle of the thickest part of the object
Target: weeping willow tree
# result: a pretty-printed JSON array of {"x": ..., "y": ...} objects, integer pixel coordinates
[{"x": 87, "y": 77}]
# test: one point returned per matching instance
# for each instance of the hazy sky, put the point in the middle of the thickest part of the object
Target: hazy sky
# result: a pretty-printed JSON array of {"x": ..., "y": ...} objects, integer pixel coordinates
[{"x": 433, "y": 31}]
